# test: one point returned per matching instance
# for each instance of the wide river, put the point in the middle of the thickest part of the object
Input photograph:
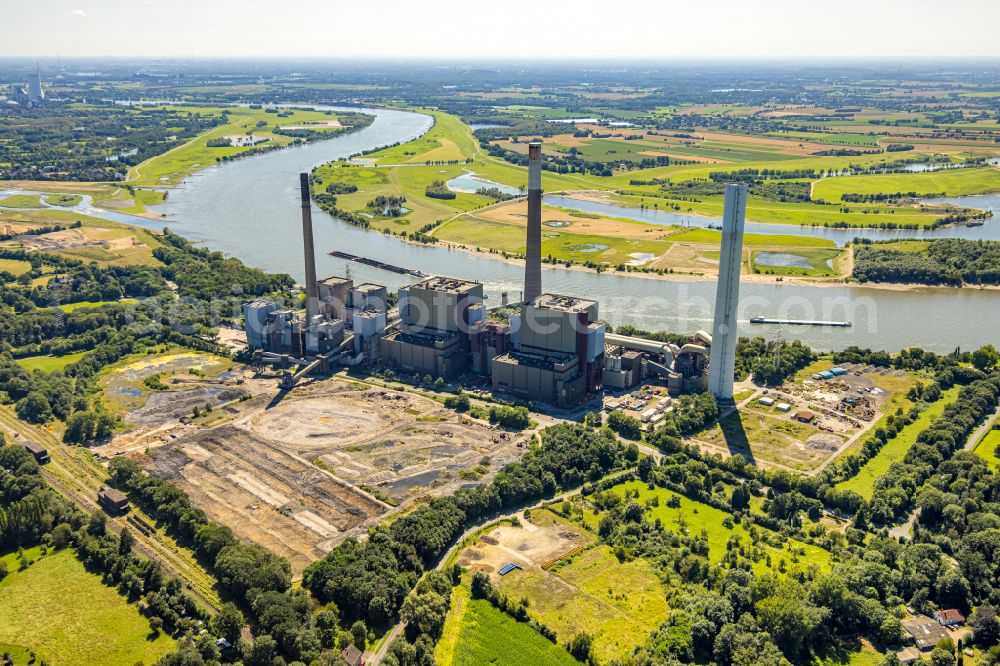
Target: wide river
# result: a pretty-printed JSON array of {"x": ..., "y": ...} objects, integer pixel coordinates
[{"x": 249, "y": 208}]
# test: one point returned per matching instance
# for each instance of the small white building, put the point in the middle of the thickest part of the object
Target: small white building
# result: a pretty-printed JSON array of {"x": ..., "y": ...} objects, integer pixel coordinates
[
  {"x": 766, "y": 401},
  {"x": 783, "y": 407}
]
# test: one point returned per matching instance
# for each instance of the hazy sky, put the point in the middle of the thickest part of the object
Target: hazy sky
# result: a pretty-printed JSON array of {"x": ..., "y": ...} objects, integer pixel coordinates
[{"x": 499, "y": 28}]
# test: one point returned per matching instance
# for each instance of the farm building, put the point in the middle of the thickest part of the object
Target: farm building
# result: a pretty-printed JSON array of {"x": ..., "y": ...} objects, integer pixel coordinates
[
  {"x": 40, "y": 452},
  {"x": 783, "y": 407},
  {"x": 766, "y": 401},
  {"x": 925, "y": 632},
  {"x": 805, "y": 416},
  {"x": 949, "y": 617},
  {"x": 908, "y": 655},
  {"x": 114, "y": 501}
]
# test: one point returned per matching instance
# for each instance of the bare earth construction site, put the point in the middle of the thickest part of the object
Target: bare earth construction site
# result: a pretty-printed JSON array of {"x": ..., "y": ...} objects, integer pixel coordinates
[{"x": 299, "y": 473}]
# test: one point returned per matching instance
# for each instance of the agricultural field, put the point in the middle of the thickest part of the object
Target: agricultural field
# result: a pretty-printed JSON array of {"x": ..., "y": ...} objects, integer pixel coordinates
[
  {"x": 949, "y": 182},
  {"x": 14, "y": 266},
  {"x": 989, "y": 448},
  {"x": 476, "y": 633},
  {"x": 863, "y": 482},
  {"x": 34, "y": 614},
  {"x": 247, "y": 129},
  {"x": 594, "y": 240},
  {"x": 572, "y": 584}
]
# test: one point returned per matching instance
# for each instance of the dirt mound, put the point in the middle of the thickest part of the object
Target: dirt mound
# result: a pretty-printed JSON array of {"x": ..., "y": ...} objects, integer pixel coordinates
[{"x": 824, "y": 442}]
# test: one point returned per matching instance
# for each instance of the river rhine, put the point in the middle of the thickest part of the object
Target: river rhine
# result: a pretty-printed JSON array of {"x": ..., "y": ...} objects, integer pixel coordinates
[{"x": 249, "y": 208}]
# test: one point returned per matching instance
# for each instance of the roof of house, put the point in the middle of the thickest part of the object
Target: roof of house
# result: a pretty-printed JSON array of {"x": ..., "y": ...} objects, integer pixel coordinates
[
  {"x": 352, "y": 655},
  {"x": 908, "y": 654},
  {"x": 950, "y": 615},
  {"x": 806, "y": 414},
  {"x": 925, "y": 631}
]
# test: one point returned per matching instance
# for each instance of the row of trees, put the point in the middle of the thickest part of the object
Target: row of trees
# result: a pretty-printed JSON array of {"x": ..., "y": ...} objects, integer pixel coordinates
[{"x": 951, "y": 261}]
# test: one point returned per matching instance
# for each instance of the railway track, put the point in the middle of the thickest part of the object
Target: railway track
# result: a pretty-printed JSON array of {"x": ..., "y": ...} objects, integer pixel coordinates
[{"x": 78, "y": 479}]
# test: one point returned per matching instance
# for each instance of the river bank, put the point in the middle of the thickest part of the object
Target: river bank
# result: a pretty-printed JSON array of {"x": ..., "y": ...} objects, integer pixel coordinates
[{"x": 250, "y": 209}]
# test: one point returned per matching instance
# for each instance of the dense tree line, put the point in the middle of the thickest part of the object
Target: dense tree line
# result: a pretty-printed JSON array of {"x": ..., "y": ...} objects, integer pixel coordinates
[
  {"x": 208, "y": 275},
  {"x": 895, "y": 492},
  {"x": 771, "y": 362},
  {"x": 950, "y": 261}
]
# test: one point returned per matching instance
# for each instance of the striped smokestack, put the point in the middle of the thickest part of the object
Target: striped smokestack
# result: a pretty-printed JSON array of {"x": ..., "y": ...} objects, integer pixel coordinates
[
  {"x": 533, "y": 246},
  {"x": 312, "y": 293}
]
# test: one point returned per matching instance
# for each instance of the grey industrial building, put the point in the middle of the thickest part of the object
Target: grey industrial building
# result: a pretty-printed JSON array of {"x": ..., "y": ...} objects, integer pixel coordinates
[
  {"x": 436, "y": 319},
  {"x": 558, "y": 351}
]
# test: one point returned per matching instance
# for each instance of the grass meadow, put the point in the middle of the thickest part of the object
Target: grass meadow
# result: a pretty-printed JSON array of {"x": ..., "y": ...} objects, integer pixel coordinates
[
  {"x": 863, "y": 482},
  {"x": 70, "y": 618}
]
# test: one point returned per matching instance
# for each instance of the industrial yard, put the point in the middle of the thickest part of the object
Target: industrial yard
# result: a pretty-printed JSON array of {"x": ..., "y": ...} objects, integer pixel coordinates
[
  {"x": 298, "y": 473},
  {"x": 809, "y": 420}
]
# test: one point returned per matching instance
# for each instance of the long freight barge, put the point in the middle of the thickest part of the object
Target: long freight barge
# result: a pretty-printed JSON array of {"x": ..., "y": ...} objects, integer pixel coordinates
[
  {"x": 377, "y": 264},
  {"x": 799, "y": 322}
]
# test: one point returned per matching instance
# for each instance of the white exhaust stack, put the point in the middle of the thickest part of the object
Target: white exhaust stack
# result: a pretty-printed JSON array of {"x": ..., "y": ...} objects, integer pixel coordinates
[
  {"x": 312, "y": 291},
  {"x": 722, "y": 361},
  {"x": 533, "y": 244}
]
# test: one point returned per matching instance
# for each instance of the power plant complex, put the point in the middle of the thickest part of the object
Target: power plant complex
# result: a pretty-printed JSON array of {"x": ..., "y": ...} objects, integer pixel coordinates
[{"x": 548, "y": 348}]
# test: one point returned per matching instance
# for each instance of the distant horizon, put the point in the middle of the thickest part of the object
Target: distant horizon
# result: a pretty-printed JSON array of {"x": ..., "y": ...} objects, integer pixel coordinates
[{"x": 448, "y": 29}]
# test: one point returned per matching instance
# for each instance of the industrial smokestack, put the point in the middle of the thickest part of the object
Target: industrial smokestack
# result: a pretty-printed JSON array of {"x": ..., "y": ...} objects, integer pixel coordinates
[
  {"x": 722, "y": 362},
  {"x": 312, "y": 291},
  {"x": 533, "y": 246}
]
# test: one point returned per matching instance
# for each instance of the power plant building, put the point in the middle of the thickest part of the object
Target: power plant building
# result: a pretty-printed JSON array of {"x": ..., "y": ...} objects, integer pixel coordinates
[
  {"x": 436, "y": 317},
  {"x": 558, "y": 354}
]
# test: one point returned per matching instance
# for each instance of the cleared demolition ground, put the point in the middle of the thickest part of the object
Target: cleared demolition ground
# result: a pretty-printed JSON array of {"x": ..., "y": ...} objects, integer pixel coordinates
[
  {"x": 298, "y": 473},
  {"x": 397, "y": 444},
  {"x": 265, "y": 494},
  {"x": 807, "y": 422}
]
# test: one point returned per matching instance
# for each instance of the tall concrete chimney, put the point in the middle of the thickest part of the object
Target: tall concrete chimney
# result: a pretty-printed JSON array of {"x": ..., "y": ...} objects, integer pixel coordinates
[
  {"x": 533, "y": 246},
  {"x": 312, "y": 291},
  {"x": 722, "y": 361}
]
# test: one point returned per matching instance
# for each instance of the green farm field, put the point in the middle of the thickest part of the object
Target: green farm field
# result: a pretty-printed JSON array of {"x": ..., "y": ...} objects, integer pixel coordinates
[
  {"x": 989, "y": 448},
  {"x": 103, "y": 629},
  {"x": 476, "y": 633},
  {"x": 618, "y": 603},
  {"x": 168, "y": 169},
  {"x": 49, "y": 363},
  {"x": 953, "y": 183},
  {"x": 863, "y": 482},
  {"x": 14, "y": 266}
]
